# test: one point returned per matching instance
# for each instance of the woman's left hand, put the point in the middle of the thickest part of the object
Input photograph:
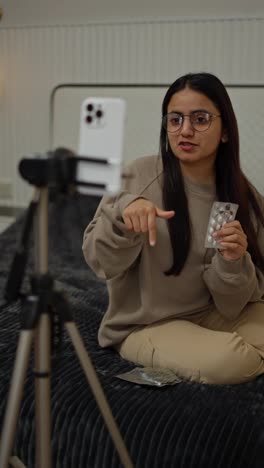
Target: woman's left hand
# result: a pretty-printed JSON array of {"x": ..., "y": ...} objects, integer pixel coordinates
[{"x": 232, "y": 240}]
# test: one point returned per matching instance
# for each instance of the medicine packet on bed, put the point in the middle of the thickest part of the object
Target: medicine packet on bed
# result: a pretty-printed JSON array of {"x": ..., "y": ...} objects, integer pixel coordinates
[
  {"x": 221, "y": 213},
  {"x": 158, "y": 377}
]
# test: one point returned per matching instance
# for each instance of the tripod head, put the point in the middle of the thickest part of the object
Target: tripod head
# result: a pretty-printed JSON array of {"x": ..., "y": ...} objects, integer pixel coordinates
[{"x": 56, "y": 171}]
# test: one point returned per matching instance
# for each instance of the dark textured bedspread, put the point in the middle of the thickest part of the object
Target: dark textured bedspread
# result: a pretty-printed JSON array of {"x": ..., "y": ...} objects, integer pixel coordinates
[{"x": 185, "y": 426}]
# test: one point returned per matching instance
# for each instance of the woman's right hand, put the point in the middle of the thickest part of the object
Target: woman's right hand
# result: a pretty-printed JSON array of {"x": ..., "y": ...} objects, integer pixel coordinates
[{"x": 140, "y": 216}]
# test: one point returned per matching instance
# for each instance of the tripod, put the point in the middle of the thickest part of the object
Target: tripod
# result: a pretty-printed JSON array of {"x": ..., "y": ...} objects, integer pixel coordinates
[{"x": 36, "y": 325}]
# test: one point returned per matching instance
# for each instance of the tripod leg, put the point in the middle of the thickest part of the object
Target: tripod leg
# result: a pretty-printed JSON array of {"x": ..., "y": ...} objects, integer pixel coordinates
[
  {"x": 43, "y": 397},
  {"x": 95, "y": 385},
  {"x": 42, "y": 285},
  {"x": 15, "y": 396}
]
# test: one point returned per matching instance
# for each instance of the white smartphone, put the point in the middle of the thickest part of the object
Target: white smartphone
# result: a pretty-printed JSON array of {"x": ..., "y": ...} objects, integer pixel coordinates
[{"x": 100, "y": 151}]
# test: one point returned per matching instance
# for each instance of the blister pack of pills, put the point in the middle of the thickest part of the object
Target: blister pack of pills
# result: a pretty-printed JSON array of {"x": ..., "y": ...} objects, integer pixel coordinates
[
  {"x": 149, "y": 376},
  {"x": 221, "y": 213}
]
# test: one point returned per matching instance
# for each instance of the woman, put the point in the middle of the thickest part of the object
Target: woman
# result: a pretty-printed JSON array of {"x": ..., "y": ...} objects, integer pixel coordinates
[{"x": 172, "y": 302}]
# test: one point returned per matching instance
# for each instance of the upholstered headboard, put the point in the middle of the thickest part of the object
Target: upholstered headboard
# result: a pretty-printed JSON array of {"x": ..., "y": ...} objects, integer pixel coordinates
[{"x": 143, "y": 120}]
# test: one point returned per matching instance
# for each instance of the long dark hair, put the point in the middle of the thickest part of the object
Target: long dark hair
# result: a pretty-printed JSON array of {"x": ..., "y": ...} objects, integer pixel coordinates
[{"x": 231, "y": 183}]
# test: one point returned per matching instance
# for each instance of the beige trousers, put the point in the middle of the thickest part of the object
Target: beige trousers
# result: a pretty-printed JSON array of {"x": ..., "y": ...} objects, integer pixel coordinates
[{"x": 208, "y": 348}]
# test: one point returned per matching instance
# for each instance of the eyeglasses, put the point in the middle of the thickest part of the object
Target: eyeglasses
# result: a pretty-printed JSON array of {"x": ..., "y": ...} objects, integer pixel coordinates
[{"x": 200, "y": 121}]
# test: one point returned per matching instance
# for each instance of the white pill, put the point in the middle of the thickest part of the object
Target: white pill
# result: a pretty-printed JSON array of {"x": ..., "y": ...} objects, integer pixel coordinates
[
  {"x": 213, "y": 222},
  {"x": 220, "y": 218},
  {"x": 209, "y": 238},
  {"x": 211, "y": 230},
  {"x": 218, "y": 226}
]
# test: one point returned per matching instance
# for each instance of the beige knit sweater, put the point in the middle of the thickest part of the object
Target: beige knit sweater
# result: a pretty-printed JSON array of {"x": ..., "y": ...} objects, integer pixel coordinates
[{"x": 139, "y": 292}]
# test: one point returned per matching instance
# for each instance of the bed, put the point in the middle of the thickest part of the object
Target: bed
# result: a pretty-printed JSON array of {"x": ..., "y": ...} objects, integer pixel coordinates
[{"x": 187, "y": 425}]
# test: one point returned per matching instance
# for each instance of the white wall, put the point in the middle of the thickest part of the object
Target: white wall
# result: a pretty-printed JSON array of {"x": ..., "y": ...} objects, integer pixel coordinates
[
  {"x": 54, "y": 48},
  {"x": 76, "y": 11}
]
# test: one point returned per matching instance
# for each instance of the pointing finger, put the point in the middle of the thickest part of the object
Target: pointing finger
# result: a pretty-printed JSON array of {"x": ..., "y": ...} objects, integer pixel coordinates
[{"x": 152, "y": 228}]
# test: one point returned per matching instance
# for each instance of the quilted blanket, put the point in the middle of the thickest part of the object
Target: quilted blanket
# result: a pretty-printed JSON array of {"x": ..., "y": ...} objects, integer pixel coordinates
[{"x": 187, "y": 425}]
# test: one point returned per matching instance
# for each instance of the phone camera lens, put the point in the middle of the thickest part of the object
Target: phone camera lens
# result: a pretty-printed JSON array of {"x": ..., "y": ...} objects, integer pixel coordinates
[
  {"x": 89, "y": 119},
  {"x": 89, "y": 107},
  {"x": 99, "y": 114}
]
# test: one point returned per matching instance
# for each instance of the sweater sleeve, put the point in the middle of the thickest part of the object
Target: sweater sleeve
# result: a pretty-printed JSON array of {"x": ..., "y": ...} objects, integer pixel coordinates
[
  {"x": 233, "y": 284},
  {"x": 109, "y": 247}
]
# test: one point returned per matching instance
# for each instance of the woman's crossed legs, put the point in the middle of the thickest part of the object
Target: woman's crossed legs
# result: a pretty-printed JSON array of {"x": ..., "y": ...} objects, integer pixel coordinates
[{"x": 207, "y": 349}]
